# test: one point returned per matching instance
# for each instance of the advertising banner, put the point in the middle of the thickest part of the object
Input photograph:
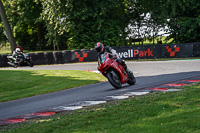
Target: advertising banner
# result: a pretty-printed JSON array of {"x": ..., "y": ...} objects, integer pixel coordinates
[
  {"x": 177, "y": 51},
  {"x": 130, "y": 53},
  {"x": 83, "y": 56}
]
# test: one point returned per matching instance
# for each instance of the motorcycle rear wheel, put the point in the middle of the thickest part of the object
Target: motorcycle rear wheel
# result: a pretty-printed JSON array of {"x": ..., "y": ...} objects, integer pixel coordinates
[{"x": 114, "y": 79}]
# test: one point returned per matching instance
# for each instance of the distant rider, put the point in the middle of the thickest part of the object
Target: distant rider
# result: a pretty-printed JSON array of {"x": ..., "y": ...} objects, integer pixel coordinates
[
  {"x": 107, "y": 49},
  {"x": 16, "y": 54}
]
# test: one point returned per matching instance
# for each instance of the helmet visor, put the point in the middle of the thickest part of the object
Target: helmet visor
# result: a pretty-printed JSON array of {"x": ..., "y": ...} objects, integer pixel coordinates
[{"x": 98, "y": 49}]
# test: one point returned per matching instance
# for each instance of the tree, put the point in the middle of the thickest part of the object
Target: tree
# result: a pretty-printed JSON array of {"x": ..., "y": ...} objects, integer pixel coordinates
[
  {"x": 183, "y": 21},
  {"x": 181, "y": 17},
  {"x": 86, "y": 22},
  {"x": 26, "y": 22},
  {"x": 80, "y": 24},
  {"x": 7, "y": 27}
]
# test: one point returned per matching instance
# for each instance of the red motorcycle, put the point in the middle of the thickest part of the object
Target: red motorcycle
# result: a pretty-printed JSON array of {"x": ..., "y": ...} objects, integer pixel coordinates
[{"x": 114, "y": 72}]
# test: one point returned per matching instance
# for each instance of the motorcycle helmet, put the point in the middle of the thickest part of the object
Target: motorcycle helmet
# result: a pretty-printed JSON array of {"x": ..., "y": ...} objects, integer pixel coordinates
[
  {"x": 17, "y": 50},
  {"x": 99, "y": 47}
]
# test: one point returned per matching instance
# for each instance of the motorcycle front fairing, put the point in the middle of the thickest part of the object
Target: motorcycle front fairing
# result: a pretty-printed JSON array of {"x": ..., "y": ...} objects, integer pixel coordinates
[
  {"x": 119, "y": 68},
  {"x": 105, "y": 63}
]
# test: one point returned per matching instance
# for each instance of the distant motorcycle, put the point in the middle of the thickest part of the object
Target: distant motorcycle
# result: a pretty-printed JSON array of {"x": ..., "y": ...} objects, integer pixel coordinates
[
  {"x": 21, "y": 59},
  {"x": 114, "y": 72}
]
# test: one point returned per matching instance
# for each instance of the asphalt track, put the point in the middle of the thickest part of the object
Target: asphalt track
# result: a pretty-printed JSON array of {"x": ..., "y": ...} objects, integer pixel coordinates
[{"x": 147, "y": 73}]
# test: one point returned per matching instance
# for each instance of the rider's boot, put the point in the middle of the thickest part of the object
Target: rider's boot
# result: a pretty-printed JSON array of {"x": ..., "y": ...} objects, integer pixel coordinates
[
  {"x": 126, "y": 70},
  {"x": 122, "y": 62},
  {"x": 129, "y": 71},
  {"x": 15, "y": 64}
]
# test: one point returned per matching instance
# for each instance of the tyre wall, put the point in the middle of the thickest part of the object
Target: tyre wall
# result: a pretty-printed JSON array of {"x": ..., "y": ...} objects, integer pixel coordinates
[{"x": 125, "y": 52}]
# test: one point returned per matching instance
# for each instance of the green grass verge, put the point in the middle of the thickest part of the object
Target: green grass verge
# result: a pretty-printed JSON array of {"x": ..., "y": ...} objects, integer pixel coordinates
[
  {"x": 16, "y": 84},
  {"x": 5, "y": 51},
  {"x": 170, "y": 112}
]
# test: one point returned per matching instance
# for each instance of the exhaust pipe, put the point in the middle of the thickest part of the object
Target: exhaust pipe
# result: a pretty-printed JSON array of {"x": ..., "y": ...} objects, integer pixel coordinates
[{"x": 12, "y": 64}]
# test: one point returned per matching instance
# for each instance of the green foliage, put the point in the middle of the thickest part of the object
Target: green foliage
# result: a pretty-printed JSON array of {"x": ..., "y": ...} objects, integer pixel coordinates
[
  {"x": 70, "y": 24},
  {"x": 24, "y": 18},
  {"x": 86, "y": 22},
  {"x": 182, "y": 18},
  {"x": 184, "y": 21}
]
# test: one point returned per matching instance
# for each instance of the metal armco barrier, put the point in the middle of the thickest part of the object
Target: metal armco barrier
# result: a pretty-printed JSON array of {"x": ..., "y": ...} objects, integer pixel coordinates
[{"x": 126, "y": 52}]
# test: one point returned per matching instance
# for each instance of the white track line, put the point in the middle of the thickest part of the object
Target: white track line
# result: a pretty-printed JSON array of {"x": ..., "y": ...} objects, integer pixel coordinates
[
  {"x": 118, "y": 97},
  {"x": 171, "y": 90},
  {"x": 69, "y": 107},
  {"x": 135, "y": 93}
]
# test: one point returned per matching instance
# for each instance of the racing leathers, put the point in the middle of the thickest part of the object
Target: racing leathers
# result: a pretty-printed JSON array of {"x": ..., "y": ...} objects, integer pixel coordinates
[
  {"x": 113, "y": 53},
  {"x": 16, "y": 55}
]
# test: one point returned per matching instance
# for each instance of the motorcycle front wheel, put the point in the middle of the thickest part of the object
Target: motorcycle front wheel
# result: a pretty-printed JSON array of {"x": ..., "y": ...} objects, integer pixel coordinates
[
  {"x": 15, "y": 65},
  {"x": 114, "y": 79},
  {"x": 30, "y": 63},
  {"x": 132, "y": 79}
]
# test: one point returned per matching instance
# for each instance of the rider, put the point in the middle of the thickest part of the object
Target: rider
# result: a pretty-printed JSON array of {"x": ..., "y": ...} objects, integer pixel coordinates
[
  {"x": 16, "y": 54},
  {"x": 107, "y": 49}
]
